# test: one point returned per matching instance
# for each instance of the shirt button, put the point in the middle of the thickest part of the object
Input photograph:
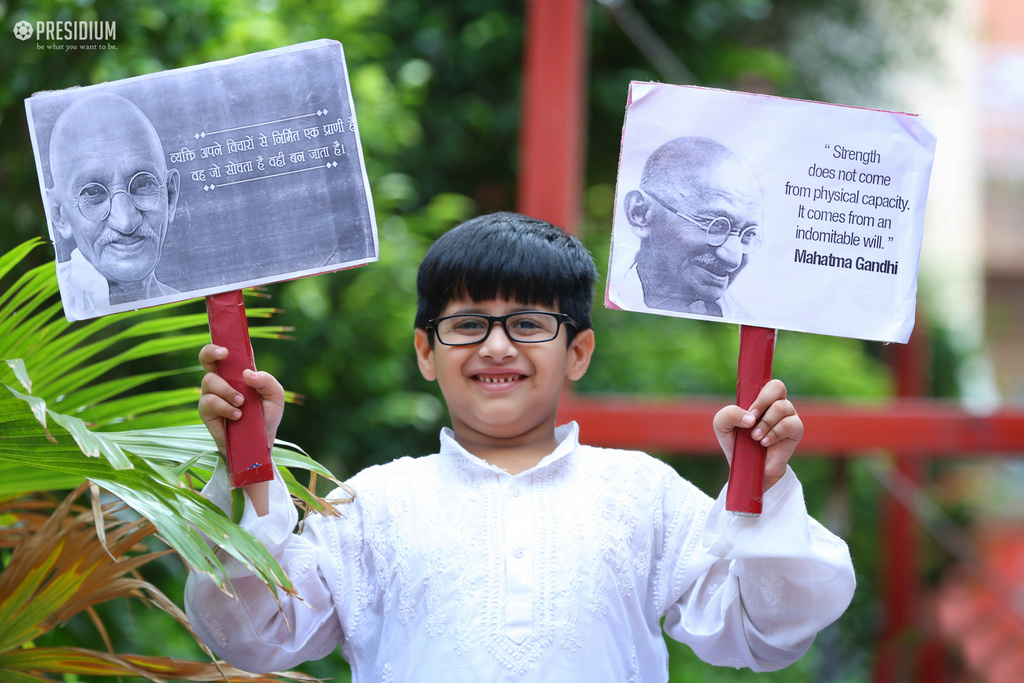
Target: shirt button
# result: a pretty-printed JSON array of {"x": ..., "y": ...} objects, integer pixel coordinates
[
  {"x": 516, "y": 491},
  {"x": 519, "y": 552}
]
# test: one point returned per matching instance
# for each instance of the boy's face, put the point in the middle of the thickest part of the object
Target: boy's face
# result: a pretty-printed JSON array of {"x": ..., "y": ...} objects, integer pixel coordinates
[{"x": 501, "y": 392}]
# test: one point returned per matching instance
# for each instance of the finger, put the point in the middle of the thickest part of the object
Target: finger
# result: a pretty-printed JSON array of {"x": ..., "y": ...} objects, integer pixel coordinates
[
  {"x": 789, "y": 428},
  {"x": 210, "y": 354},
  {"x": 212, "y": 407},
  {"x": 213, "y": 411},
  {"x": 265, "y": 384},
  {"x": 272, "y": 397},
  {"x": 732, "y": 417},
  {"x": 778, "y": 413},
  {"x": 771, "y": 392},
  {"x": 213, "y": 383},
  {"x": 725, "y": 423}
]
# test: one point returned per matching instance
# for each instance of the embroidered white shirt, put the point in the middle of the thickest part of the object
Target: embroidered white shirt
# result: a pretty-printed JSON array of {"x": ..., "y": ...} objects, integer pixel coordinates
[{"x": 447, "y": 568}]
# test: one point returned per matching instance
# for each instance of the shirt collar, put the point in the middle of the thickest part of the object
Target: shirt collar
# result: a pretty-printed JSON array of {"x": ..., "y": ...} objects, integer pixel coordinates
[{"x": 568, "y": 441}]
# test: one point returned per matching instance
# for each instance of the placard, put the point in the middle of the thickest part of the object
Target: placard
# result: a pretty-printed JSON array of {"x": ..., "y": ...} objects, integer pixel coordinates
[
  {"x": 191, "y": 182},
  {"x": 769, "y": 212}
]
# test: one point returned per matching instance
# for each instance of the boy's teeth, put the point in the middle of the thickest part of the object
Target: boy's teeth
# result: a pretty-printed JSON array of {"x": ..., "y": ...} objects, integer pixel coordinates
[{"x": 497, "y": 380}]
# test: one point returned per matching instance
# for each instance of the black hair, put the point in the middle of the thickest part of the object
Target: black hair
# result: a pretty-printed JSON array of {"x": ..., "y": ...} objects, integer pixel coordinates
[{"x": 507, "y": 256}]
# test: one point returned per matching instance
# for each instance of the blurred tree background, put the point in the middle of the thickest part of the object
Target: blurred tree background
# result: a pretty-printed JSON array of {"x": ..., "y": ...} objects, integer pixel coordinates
[{"x": 437, "y": 95}]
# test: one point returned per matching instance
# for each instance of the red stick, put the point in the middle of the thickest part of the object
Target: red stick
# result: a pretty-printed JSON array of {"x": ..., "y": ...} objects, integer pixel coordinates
[
  {"x": 247, "y": 450},
  {"x": 754, "y": 370}
]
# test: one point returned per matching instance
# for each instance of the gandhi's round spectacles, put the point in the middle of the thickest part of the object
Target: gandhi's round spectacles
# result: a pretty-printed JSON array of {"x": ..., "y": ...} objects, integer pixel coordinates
[
  {"x": 718, "y": 229},
  {"x": 94, "y": 199},
  {"x": 528, "y": 327}
]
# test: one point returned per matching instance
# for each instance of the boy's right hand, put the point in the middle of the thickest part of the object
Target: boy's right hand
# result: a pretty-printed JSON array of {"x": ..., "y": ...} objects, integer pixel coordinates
[{"x": 219, "y": 401}]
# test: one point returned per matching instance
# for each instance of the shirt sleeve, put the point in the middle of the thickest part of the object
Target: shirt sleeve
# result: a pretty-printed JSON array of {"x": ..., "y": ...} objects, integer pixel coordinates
[
  {"x": 260, "y": 629},
  {"x": 756, "y": 590}
]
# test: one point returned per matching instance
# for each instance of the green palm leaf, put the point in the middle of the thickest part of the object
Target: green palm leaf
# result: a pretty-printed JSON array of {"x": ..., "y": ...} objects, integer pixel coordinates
[
  {"x": 11, "y": 259},
  {"x": 55, "y": 390},
  {"x": 138, "y": 468}
]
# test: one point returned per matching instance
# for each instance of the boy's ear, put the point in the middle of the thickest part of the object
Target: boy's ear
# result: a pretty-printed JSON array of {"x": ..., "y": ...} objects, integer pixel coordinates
[
  {"x": 581, "y": 349},
  {"x": 424, "y": 354},
  {"x": 638, "y": 212}
]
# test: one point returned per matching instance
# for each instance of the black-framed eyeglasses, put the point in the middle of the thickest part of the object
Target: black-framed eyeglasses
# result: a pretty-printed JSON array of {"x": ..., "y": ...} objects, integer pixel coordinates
[
  {"x": 528, "y": 327},
  {"x": 717, "y": 229},
  {"x": 93, "y": 201}
]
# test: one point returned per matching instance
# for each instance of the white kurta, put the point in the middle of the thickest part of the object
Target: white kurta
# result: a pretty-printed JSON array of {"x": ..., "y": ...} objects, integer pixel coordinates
[{"x": 447, "y": 568}]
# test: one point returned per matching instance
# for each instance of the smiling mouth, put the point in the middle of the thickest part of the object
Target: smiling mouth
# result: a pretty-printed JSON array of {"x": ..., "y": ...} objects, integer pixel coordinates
[{"x": 497, "y": 379}]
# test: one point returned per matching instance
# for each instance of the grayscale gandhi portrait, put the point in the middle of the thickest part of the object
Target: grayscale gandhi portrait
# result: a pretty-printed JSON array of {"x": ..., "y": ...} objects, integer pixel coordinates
[
  {"x": 698, "y": 215},
  {"x": 185, "y": 183},
  {"x": 110, "y": 202}
]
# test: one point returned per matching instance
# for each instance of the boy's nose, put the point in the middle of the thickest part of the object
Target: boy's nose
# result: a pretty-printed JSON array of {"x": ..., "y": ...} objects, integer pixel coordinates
[{"x": 497, "y": 344}]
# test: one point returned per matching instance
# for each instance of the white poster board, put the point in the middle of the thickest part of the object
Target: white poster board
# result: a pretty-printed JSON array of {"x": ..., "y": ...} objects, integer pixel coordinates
[
  {"x": 824, "y": 204},
  {"x": 185, "y": 183}
]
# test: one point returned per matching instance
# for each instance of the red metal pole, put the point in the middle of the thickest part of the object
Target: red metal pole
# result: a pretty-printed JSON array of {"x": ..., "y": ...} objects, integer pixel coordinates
[
  {"x": 551, "y": 134},
  {"x": 902, "y": 636}
]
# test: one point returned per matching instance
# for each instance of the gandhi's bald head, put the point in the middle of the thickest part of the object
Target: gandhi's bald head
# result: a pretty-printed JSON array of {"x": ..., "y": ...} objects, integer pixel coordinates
[
  {"x": 105, "y": 155},
  {"x": 699, "y": 169},
  {"x": 103, "y": 123}
]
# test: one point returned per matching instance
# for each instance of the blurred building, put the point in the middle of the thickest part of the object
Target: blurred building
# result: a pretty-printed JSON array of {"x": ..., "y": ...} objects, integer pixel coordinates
[
  {"x": 1000, "y": 107},
  {"x": 979, "y": 605}
]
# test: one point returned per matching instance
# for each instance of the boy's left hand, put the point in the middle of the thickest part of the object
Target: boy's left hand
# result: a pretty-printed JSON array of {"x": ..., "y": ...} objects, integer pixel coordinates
[{"x": 775, "y": 424}]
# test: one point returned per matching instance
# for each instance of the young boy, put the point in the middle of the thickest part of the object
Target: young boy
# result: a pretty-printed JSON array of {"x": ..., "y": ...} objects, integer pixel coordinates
[{"x": 515, "y": 553}]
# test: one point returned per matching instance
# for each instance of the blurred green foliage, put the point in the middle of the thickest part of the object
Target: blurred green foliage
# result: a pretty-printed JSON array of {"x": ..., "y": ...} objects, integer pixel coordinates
[{"x": 436, "y": 90}]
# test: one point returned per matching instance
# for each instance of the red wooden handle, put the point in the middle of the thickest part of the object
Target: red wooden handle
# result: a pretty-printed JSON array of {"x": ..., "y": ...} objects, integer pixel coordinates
[
  {"x": 753, "y": 371},
  {"x": 248, "y": 453}
]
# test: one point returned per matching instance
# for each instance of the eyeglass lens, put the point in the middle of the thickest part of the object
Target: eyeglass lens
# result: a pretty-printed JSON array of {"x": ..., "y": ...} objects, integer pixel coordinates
[
  {"x": 720, "y": 228},
  {"x": 524, "y": 327},
  {"x": 144, "y": 191}
]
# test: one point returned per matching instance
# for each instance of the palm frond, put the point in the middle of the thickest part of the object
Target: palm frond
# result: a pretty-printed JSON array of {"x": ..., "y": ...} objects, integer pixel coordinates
[
  {"x": 60, "y": 567},
  {"x": 157, "y": 669},
  {"x": 54, "y": 392},
  {"x": 71, "y": 413}
]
